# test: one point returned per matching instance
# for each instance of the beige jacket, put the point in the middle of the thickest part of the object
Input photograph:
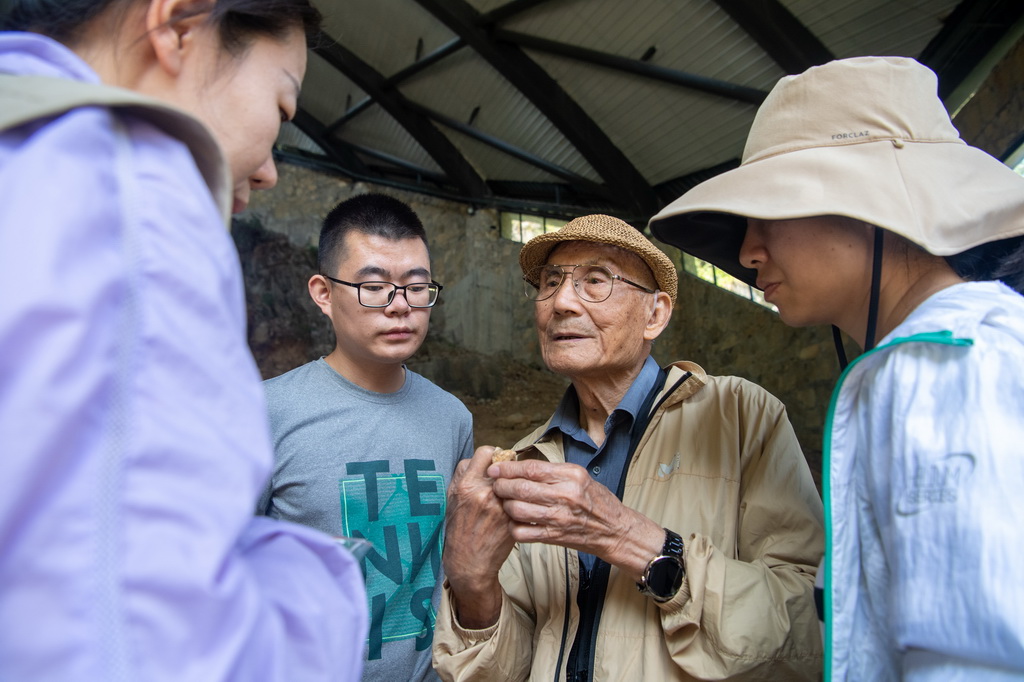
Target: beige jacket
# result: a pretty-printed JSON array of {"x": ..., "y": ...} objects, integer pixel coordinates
[{"x": 720, "y": 465}]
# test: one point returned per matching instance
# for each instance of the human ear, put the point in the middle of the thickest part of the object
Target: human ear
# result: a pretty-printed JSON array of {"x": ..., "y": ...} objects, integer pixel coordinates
[
  {"x": 170, "y": 29},
  {"x": 320, "y": 292},
  {"x": 661, "y": 313}
]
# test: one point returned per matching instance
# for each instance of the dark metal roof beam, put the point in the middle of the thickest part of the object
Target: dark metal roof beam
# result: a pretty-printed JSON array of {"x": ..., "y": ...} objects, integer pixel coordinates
[
  {"x": 512, "y": 150},
  {"x": 670, "y": 190},
  {"x": 433, "y": 141},
  {"x": 502, "y": 203},
  {"x": 779, "y": 33},
  {"x": 315, "y": 130},
  {"x": 624, "y": 182},
  {"x": 635, "y": 66},
  {"x": 451, "y": 47},
  {"x": 420, "y": 171},
  {"x": 349, "y": 115},
  {"x": 969, "y": 33},
  {"x": 507, "y": 11}
]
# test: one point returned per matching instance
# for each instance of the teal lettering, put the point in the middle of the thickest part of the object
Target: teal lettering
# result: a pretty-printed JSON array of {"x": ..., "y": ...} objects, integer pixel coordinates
[
  {"x": 421, "y": 611},
  {"x": 377, "y": 604},
  {"x": 417, "y": 487},
  {"x": 369, "y": 471},
  {"x": 433, "y": 547},
  {"x": 390, "y": 563}
]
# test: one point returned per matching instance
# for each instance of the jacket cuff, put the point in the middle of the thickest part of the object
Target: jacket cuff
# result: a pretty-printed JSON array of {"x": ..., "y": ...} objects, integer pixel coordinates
[{"x": 466, "y": 634}]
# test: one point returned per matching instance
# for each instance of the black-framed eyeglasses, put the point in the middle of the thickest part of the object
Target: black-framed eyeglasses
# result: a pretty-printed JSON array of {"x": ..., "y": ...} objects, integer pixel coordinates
[
  {"x": 592, "y": 282},
  {"x": 380, "y": 294}
]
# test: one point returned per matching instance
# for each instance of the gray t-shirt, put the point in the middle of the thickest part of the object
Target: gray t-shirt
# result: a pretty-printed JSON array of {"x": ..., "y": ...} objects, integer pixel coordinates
[{"x": 352, "y": 462}]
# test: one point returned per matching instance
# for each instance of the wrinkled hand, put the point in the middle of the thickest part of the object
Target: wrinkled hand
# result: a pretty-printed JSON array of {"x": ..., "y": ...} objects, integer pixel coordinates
[
  {"x": 478, "y": 539},
  {"x": 560, "y": 504}
]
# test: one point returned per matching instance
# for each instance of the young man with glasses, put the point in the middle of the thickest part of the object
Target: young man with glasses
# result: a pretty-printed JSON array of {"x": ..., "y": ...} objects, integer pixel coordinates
[
  {"x": 365, "y": 447},
  {"x": 663, "y": 525}
]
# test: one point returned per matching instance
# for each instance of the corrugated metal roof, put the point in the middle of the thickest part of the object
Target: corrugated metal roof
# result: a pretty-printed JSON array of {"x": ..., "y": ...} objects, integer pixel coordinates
[
  {"x": 489, "y": 97},
  {"x": 292, "y": 137},
  {"x": 384, "y": 33},
  {"x": 325, "y": 92},
  {"x": 463, "y": 82},
  {"x": 376, "y": 129},
  {"x": 874, "y": 27}
]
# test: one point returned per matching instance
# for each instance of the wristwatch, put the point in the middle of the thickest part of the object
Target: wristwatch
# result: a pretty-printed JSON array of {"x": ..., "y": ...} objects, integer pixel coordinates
[{"x": 664, "y": 573}]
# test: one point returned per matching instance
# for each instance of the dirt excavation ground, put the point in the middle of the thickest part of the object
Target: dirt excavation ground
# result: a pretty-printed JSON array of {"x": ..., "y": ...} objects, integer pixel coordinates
[{"x": 527, "y": 398}]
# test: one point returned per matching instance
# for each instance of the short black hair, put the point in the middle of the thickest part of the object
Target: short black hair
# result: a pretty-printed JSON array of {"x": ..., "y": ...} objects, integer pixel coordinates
[
  {"x": 374, "y": 214},
  {"x": 238, "y": 21}
]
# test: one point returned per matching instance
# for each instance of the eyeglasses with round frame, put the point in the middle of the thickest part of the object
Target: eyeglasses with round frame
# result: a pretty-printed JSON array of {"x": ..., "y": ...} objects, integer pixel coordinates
[
  {"x": 592, "y": 283},
  {"x": 381, "y": 294}
]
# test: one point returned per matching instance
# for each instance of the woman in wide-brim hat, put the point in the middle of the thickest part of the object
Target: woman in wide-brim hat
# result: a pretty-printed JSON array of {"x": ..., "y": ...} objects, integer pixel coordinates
[{"x": 858, "y": 205}]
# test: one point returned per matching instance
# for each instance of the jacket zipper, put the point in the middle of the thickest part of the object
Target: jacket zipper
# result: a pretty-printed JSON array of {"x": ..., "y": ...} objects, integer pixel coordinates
[
  {"x": 565, "y": 620},
  {"x": 590, "y": 598},
  {"x": 584, "y": 646},
  {"x": 940, "y": 337}
]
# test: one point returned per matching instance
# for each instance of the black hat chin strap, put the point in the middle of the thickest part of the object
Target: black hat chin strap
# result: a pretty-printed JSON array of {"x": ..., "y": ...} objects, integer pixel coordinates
[
  {"x": 837, "y": 339},
  {"x": 876, "y": 284}
]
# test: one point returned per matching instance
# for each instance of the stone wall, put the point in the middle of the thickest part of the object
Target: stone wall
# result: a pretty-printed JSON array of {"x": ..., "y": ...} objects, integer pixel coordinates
[
  {"x": 482, "y": 345},
  {"x": 991, "y": 120}
]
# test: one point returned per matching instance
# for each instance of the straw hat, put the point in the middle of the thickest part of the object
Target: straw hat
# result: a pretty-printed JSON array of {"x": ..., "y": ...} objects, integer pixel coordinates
[
  {"x": 603, "y": 229},
  {"x": 866, "y": 138}
]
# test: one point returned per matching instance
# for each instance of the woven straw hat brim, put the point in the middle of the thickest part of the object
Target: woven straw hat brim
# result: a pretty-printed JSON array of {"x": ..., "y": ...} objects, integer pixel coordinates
[{"x": 602, "y": 229}]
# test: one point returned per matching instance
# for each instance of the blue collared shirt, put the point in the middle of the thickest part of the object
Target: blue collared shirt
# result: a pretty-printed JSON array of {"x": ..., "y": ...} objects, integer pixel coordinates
[{"x": 604, "y": 463}]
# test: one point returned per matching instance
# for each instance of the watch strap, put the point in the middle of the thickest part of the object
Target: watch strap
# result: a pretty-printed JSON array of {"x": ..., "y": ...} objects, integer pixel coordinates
[{"x": 673, "y": 544}]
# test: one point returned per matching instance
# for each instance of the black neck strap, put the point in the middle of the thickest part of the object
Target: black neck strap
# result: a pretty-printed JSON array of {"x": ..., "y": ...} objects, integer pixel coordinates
[
  {"x": 643, "y": 418},
  {"x": 876, "y": 283},
  {"x": 837, "y": 339}
]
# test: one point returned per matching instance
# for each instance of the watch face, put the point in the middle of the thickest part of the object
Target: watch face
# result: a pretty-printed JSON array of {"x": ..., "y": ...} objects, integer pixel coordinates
[{"x": 664, "y": 576}]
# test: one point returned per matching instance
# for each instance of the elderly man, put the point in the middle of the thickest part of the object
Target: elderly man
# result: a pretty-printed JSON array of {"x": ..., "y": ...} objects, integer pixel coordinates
[{"x": 662, "y": 525}]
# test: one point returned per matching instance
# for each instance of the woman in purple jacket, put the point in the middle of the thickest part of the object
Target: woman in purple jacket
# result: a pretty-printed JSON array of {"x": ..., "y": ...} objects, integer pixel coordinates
[{"x": 133, "y": 438}]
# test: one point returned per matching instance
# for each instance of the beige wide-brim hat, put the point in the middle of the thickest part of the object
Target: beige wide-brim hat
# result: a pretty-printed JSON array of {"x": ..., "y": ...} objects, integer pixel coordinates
[
  {"x": 866, "y": 138},
  {"x": 602, "y": 229}
]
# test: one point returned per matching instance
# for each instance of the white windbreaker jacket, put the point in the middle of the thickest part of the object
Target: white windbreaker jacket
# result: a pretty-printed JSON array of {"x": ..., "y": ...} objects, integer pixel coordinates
[{"x": 924, "y": 497}]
